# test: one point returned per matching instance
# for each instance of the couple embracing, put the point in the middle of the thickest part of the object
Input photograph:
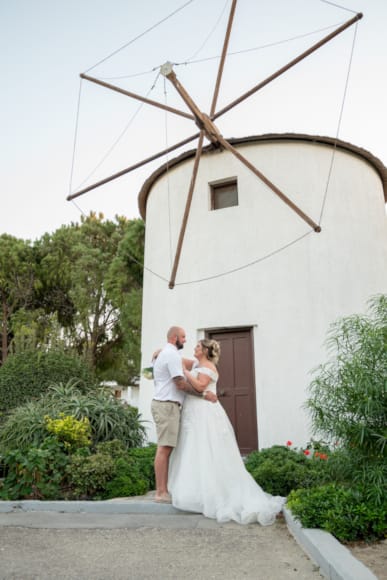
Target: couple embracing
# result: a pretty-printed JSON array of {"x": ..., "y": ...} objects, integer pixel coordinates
[{"x": 198, "y": 465}]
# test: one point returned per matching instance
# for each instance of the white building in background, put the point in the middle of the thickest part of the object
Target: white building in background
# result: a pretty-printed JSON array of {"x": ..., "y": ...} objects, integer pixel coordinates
[
  {"x": 255, "y": 276},
  {"x": 129, "y": 395}
]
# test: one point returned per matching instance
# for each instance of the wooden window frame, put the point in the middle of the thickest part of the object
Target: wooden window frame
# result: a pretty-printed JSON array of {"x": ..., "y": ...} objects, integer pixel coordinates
[{"x": 219, "y": 185}]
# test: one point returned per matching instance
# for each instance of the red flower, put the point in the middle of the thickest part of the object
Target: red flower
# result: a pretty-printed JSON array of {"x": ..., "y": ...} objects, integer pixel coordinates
[
  {"x": 289, "y": 443},
  {"x": 317, "y": 454},
  {"x": 306, "y": 452},
  {"x": 323, "y": 456}
]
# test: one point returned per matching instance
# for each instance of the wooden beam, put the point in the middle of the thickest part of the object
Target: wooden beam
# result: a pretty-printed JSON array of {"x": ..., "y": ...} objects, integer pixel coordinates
[
  {"x": 138, "y": 97},
  {"x": 186, "y": 211},
  {"x": 288, "y": 66},
  {"x": 213, "y": 134},
  {"x": 201, "y": 119},
  {"x": 271, "y": 185},
  {"x": 132, "y": 167},
  {"x": 223, "y": 57}
]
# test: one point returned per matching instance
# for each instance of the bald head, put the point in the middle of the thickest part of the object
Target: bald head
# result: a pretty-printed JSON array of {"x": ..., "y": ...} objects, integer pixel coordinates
[{"x": 176, "y": 336}]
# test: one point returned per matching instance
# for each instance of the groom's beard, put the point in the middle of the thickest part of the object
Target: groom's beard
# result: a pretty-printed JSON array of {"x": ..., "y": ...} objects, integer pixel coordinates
[{"x": 179, "y": 345}]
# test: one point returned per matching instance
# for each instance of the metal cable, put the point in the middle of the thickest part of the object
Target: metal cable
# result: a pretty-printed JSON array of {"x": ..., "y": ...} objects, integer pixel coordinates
[
  {"x": 120, "y": 136},
  {"x": 338, "y": 6},
  {"x": 232, "y": 271},
  {"x": 263, "y": 46},
  {"x": 338, "y": 124},
  {"x": 75, "y": 137},
  {"x": 140, "y": 35}
]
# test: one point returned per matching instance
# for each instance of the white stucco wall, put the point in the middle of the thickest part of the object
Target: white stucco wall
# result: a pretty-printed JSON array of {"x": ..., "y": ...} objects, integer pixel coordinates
[{"x": 292, "y": 295}]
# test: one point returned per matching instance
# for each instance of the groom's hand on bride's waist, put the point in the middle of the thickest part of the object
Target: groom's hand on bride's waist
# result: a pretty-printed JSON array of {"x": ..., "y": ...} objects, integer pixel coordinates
[
  {"x": 183, "y": 385},
  {"x": 210, "y": 396}
]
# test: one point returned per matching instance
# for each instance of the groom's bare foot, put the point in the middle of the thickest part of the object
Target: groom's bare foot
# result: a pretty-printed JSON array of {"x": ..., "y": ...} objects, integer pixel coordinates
[{"x": 163, "y": 498}]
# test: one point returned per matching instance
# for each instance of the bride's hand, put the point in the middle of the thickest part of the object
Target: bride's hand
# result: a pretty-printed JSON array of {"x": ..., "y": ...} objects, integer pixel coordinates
[{"x": 156, "y": 353}]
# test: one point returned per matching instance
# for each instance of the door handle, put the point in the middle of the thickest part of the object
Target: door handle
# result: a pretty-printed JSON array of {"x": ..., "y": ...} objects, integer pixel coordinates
[{"x": 222, "y": 393}]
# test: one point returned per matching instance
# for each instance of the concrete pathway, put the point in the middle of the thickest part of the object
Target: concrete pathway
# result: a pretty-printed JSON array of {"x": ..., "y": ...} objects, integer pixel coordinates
[{"x": 136, "y": 538}]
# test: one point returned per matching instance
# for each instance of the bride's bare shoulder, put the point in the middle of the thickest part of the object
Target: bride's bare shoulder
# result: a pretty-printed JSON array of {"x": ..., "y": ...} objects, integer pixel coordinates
[{"x": 209, "y": 365}]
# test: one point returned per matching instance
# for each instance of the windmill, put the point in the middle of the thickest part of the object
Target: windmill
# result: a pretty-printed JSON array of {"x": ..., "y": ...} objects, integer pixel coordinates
[{"x": 208, "y": 129}]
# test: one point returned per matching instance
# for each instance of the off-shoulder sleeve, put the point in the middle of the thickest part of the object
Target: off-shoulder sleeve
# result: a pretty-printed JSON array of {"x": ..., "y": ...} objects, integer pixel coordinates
[{"x": 205, "y": 371}]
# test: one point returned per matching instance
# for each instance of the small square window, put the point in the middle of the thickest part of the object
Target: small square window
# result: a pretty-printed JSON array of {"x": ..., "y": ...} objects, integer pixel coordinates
[{"x": 224, "y": 194}]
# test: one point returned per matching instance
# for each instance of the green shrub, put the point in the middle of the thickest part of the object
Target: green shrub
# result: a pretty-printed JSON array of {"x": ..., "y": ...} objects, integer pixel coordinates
[
  {"x": 310, "y": 506},
  {"x": 24, "y": 427},
  {"x": 87, "y": 476},
  {"x": 113, "y": 471},
  {"x": 73, "y": 433},
  {"x": 280, "y": 469},
  {"x": 145, "y": 457},
  {"x": 348, "y": 407},
  {"x": 35, "y": 473},
  {"x": 127, "y": 481},
  {"x": 356, "y": 518},
  {"x": 357, "y": 470},
  {"x": 109, "y": 419},
  {"x": 25, "y": 376},
  {"x": 344, "y": 512},
  {"x": 114, "y": 448},
  {"x": 134, "y": 470},
  {"x": 348, "y": 402}
]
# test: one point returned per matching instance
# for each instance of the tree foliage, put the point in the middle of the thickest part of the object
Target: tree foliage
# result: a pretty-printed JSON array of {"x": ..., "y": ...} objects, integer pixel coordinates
[
  {"x": 78, "y": 289},
  {"x": 17, "y": 283},
  {"x": 25, "y": 376}
]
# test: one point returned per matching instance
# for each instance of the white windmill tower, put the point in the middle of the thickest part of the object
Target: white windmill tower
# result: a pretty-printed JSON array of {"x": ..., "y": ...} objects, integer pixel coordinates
[{"x": 251, "y": 267}]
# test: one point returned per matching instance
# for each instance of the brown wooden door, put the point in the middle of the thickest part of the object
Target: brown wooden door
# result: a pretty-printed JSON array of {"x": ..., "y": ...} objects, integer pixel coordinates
[{"x": 236, "y": 385}]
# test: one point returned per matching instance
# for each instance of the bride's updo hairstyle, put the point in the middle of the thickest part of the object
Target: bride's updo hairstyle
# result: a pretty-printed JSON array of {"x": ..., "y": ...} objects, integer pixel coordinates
[{"x": 211, "y": 348}]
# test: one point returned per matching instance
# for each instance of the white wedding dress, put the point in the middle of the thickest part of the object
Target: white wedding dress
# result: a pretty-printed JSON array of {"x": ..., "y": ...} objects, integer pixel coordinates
[{"x": 207, "y": 474}]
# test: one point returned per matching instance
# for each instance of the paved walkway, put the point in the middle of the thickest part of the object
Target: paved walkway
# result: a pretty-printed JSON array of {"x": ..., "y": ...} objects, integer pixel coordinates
[{"x": 136, "y": 538}]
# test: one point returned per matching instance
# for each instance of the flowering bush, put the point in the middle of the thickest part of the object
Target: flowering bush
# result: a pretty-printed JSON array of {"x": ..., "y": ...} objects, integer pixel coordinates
[
  {"x": 313, "y": 450},
  {"x": 279, "y": 469},
  {"x": 72, "y": 432}
]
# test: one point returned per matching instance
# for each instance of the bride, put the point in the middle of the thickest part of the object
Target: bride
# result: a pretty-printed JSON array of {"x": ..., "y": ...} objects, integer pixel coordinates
[{"x": 207, "y": 474}]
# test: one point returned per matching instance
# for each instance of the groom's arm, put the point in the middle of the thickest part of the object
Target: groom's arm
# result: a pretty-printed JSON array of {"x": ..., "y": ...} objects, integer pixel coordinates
[{"x": 185, "y": 386}]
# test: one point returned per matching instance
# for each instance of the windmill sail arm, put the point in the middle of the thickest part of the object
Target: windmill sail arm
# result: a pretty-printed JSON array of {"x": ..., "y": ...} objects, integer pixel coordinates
[
  {"x": 136, "y": 96},
  {"x": 187, "y": 210},
  {"x": 132, "y": 167},
  {"x": 288, "y": 65},
  {"x": 270, "y": 184},
  {"x": 223, "y": 57}
]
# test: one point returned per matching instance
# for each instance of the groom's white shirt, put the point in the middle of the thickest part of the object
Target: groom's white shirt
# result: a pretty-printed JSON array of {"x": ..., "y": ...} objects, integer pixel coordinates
[{"x": 167, "y": 366}]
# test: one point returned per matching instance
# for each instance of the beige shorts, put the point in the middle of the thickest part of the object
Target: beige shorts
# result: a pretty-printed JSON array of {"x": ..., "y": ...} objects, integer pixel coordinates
[{"x": 166, "y": 416}]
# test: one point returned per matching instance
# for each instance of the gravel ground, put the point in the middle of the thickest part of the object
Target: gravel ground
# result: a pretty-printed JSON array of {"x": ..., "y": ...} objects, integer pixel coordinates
[
  {"x": 90, "y": 546},
  {"x": 374, "y": 556}
]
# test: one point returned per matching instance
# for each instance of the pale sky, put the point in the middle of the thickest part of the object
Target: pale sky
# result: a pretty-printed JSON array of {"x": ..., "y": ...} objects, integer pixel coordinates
[{"x": 46, "y": 44}]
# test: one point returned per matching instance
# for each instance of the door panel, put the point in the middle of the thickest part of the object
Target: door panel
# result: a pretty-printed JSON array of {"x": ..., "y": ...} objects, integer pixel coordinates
[{"x": 236, "y": 385}]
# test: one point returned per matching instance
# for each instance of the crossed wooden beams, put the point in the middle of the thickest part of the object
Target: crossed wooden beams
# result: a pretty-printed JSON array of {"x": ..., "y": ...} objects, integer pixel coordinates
[{"x": 208, "y": 129}]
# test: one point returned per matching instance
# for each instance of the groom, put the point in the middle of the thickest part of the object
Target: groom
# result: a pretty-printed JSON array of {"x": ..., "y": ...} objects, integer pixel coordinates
[{"x": 170, "y": 389}]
